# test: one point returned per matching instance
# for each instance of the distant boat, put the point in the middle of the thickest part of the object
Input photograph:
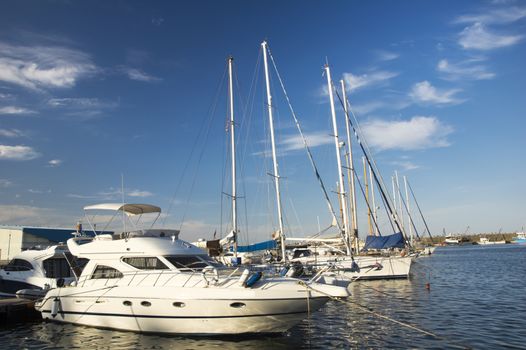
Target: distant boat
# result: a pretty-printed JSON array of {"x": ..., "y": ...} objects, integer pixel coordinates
[
  {"x": 486, "y": 241},
  {"x": 520, "y": 239}
]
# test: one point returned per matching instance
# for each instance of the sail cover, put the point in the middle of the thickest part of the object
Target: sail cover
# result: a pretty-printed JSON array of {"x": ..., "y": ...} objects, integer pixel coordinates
[
  {"x": 257, "y": 246},
  {"x": 383, "y": 242}
]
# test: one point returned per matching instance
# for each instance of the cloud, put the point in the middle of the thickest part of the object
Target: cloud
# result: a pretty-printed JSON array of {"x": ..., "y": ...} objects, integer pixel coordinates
[
  {"x": 424, "y": 92},
  {"x": 82, "y": 106},
  {"x": 477, "y": 37},
  {"x": 295, "y": 142},
  {"x": 139, "y": 75},
  {"x": 464, "y": 70},
  {"x": 17, "y": 153},
  {"x": 368, "y": 107},
  {"x": 420, "y": 132},
  {"x": 11, "y": 133},
  {"x": 38, "y": 191},
  {"x": 54, "y": 163},
  {"x": 4, "y": 183},
  {"x": 157, "y": 21},
  {"x": 113, "y": 194},
  {"x": 387, "y": 55},
  {"x": 40, "y": 67},
  {"x": 6, "y": 96},
  {"x": 355, "y": 82},
  {"x": 405, "y": 165},
  {"x": 497, "y": 16},
  {"x": 13, "y": 110},
  {"x": 138, "y": 193},
  {"x": 29, "y": 215}
]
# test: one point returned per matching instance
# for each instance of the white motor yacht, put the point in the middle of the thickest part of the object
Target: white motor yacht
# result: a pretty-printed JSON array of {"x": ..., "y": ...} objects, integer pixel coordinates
[
  {"x": 36, "y": 270},
  {"x": 151, "y": 281}
]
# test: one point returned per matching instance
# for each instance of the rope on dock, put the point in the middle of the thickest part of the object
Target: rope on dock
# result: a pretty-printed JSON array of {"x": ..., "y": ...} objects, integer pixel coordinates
[{"x": 404, "y": 324}]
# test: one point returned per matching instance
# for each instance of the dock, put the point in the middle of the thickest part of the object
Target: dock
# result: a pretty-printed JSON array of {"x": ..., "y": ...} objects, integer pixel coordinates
[{"x": 16, "y": 308}]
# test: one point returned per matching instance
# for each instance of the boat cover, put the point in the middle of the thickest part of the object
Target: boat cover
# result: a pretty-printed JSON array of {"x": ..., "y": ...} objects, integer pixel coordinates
[
  {"x": 257, "y": 246},
  {"x": 383, "y": 242}
]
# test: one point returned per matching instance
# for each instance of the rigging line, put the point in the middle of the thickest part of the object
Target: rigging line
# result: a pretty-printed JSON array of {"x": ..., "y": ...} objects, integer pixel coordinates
[
  {"x": 420, "y": 211},
  {"x": 199, "y": 159},
  {"x": 366, "y": 201},
  {"x": 305, "y": 144},
  {"x": 389, "y": 215},
  {"x": 194, "y": 146},
  {"x": 372, "y": 164},
  {"x": 407, "y": 210}
]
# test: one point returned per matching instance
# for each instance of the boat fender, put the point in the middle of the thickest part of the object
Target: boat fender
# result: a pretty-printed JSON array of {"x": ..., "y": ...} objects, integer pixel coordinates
[
  {"x": 244, "y": 276},
  {"x": 378, "y": 266},
  {"x": 55, "y": 305},
  {"x": 253, "y": 279},
  {"x": 60, "y": 282},
  {"x": 355, "y": 267}
]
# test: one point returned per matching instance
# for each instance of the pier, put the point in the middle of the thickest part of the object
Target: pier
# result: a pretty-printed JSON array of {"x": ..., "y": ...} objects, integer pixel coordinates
[{"x": 16, "y": 308}]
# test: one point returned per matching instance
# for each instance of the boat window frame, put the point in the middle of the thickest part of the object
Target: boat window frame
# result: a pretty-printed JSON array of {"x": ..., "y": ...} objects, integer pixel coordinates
[
  {"x": 18, "y": 265},
  {"x": 201, "y": 259},
  {"x": 156, "y": 268},
  {"x": 111, "y": 268}
]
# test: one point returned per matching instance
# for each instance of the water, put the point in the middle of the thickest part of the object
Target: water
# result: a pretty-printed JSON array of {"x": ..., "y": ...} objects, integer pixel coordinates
[{"x": 476, "y": 300}]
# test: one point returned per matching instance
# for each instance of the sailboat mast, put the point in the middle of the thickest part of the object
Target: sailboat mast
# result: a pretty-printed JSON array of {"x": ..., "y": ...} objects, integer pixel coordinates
[
  {"x": 233, "y": 152},
  {"x": 409, "y": 218},
  {"x": 350, "y": 170},
  {"x": 339, "y": 161},
  {"x": 400, "y": 203},
  {"x": 366, "y": 182},
  {"x": 375, "y": 217},
  {"x": 274, "y": 159}
]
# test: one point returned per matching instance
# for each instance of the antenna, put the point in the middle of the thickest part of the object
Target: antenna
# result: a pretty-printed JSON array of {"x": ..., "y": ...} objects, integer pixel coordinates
[{"x": 122, "y": 196}]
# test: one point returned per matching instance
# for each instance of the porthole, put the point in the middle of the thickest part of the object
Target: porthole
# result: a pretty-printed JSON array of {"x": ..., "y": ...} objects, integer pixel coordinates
[
  {"x": 146, "y": 303},
  {"x": 237, "y": 305},
  {"x": 127, "y": 303},
  {"x": 179, "y": 304}
]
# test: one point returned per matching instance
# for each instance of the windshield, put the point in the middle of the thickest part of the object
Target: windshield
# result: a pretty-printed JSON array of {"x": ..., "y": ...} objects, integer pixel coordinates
[{"x": 190, "y": 262}]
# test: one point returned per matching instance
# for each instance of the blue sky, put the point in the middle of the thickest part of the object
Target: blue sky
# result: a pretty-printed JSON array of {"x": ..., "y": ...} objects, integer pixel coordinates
[{"x": 93, "y": 90}]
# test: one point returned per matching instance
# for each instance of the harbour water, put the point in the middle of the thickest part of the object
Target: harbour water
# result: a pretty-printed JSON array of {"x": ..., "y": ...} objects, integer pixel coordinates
[{"x": 475, "y": 299}]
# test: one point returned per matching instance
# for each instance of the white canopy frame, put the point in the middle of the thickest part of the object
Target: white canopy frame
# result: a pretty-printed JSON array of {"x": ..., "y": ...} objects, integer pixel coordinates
[{"x": 127, "y": 208}]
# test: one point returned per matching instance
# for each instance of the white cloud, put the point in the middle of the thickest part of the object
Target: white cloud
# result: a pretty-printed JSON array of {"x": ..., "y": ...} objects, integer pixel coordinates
[
  {"x": 498, "y": 16},
  {"x": 157, "y": 21},
  {"x": 387, "y": 55},
  {"x": 139, "y": 75},
  {"x": 11, "y": 133},
  {"x": 367, "y": 107},
  {"x": 54, "y": 163},
  {"x": 420, "y": 132},
  {"x": 13, "y": 110},
  {"x": 479, "y": 38},
  {"x": 30, "y": 215},
  {"x": 295, "y": 142},
  {"x": 355, "y": 82},
  {"x": 17, "y": 153},
  {"x": 424, "y": 92},
  {"x": 82, "y": 107},
  {"x": 5, "y": 96},
  {"x": 464, "y": 70},
  {"x": 37, "y": 67},
  {"x": 405, "y": 165},
  {"x": 4, "y": 183},
  {"x": 139, "y": 193}
]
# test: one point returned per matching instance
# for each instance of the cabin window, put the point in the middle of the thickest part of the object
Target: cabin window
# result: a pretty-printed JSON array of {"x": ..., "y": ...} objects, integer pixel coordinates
[
  {"x": 145, "y": 263},
  {"x": 56, "y": 268},
  {"x": 18, "y": 265},
  {"x": 103, "y": 271},
  {"x": 187, "y": 262}
]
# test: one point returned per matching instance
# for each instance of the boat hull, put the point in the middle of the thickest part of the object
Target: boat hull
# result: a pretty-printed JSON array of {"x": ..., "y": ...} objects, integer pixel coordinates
[{"x": 126, "y": 308}]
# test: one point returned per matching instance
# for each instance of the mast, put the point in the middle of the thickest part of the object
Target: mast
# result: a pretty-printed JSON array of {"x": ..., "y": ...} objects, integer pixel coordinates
[
  {"x": 409, "y": 218},
  {"x": 400, "y": 200},
  {"x": 339, "y": 161},
  {"x": 274, "y": 159},
  {"x": 350, "y": 171},
  {"x": 233, "y": 155},
  {"x": 367, "y": 196},
  {"x": 375, "y": 217}
]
